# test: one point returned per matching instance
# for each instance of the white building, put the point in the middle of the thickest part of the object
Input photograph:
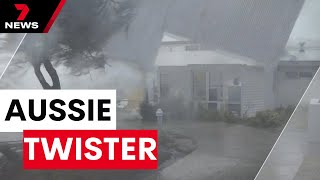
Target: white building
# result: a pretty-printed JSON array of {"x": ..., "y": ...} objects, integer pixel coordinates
[
  {"x": 295, "y": 71},
  {"x": 216, "y": 79},
  {"x": 221, "y": 80}
]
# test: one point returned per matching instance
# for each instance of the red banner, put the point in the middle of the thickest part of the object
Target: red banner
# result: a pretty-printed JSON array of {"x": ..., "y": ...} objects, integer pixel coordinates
[{"x": 90, "y": 149}]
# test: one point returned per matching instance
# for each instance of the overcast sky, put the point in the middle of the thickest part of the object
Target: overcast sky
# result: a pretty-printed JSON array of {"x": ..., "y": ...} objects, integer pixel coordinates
[{"x": 308, "y": 25}]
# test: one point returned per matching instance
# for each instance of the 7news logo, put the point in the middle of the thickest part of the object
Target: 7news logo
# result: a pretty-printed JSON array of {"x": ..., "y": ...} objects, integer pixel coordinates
[
  {"x": 20, "y": 24},
  {"x": 28, "y": 16}
]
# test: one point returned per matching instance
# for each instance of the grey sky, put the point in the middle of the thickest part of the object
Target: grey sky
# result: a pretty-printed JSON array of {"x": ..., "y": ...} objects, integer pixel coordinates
[{"x": 307, "y": 26}]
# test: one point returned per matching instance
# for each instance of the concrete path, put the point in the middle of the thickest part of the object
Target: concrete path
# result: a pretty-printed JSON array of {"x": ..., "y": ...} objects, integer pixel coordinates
[
  {"x": 224, "y": 152},
  {"x": 289, "y": 153}
]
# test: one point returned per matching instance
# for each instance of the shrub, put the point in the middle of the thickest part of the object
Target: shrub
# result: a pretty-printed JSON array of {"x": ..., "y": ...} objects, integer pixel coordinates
[
  {"x": 271, "y": 118},
  {"x": 263, "y": 119},
  {"x": 204, "y": 114},
  {"x": 229, "y": 117}
]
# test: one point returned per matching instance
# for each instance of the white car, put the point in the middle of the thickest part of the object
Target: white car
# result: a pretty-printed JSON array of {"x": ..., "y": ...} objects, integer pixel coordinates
[{"x": 122, "y": 103}]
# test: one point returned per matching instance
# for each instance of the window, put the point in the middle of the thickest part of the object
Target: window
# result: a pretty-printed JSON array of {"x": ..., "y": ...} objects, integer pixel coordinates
[
  {"x": 213, "y": 107},
  {"x": 296, "y": 75},
  {"x": 306, "y": 74},
  {"x": 213, "y": 94},
  {"x": 292, "y": 75},
  {"x": 234, "y": 94}
]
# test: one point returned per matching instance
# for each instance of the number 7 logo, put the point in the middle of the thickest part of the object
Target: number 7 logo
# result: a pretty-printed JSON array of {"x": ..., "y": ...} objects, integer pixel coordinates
[{"x": 24, "y": 11}]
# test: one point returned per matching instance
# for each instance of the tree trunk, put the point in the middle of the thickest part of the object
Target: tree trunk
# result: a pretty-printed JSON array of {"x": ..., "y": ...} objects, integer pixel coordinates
[{"x": 52, "y": 73}]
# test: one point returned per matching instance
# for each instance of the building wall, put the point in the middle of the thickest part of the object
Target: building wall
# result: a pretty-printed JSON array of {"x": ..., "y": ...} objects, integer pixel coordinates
[
  {"x": 291, "y": 84},
  {"x": 252, "y": 95},
  {"x": 253, "y": 91},
  {"x": 290, "y": 91}
]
